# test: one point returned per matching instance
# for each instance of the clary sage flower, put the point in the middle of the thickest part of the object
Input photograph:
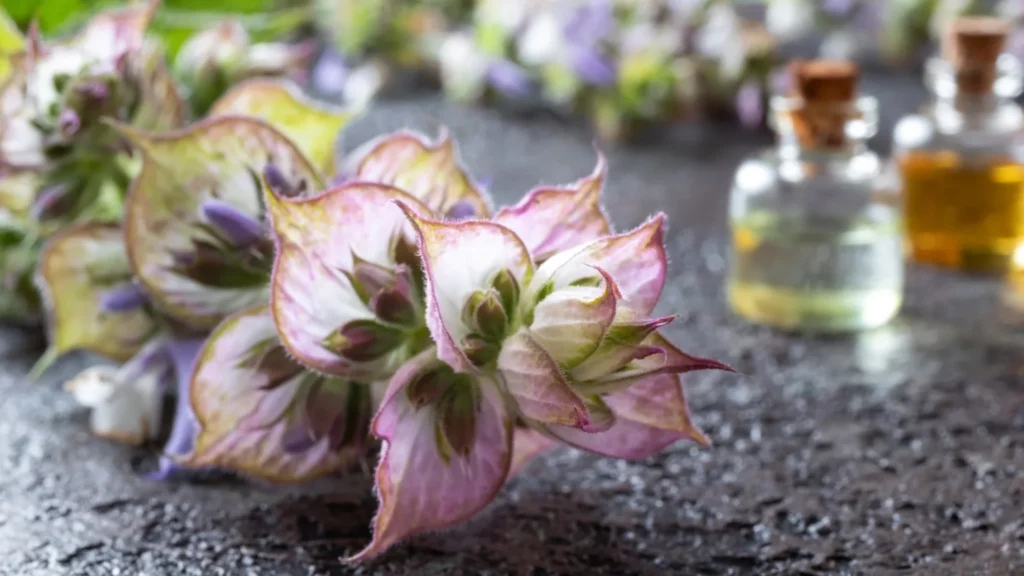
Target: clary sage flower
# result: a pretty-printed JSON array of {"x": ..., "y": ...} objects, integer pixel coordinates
[
  {"x": 59, "y": 160},
  {"x": 566, "y": 346},
  {"x": 281, "y": 420},
  {"x": 497, "y": 337},
  {"x": 193, "y": 251}
]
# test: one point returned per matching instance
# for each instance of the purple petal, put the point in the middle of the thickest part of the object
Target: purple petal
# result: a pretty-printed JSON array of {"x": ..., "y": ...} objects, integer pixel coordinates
[
  {"x": 278, "y": 182},
  {"x": 779, "y": 81},
  {"x": 237, "y": 226},
  {"x": 96, "y": 90},
  {"x": 69, "y": 122},
  {"x": 838, "y": 8},
  {"x": 124, "y": 297},
  {"x": 47, "y": 198},
  {"x": 330, "y": 73},
  {"x": 749, "y": 104},
  {"x": 593, "y": 68},
  {"x": 461, "y": 210},
  {"x": 185, "y": 428},
  {"x": 1015, "y": 44},
  {"x": 297, "y": 438},
  {"x": 591, "y": 23},
  {"x": 509, "y": 78},
  {"x": 339, "y": 179}
]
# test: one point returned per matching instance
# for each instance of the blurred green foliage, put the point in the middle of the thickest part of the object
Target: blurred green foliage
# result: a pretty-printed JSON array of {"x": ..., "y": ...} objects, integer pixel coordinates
[{"x": 174, "y": 22}]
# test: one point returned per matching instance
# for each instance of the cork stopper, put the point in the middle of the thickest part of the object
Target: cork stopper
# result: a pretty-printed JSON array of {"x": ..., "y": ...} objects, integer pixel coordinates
[
  {"x": 826, "y": 90},
  {"x": 972, "y": 44}
]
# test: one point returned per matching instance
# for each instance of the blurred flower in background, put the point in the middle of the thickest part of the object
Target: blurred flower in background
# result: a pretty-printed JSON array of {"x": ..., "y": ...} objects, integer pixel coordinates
[{"x": 216, "y": 58}]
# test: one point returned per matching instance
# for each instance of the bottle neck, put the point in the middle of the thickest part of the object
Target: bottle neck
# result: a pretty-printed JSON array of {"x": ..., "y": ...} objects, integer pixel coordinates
[
  {"x": 823, "y": 134},
  {"x": 972, "y": 97}
]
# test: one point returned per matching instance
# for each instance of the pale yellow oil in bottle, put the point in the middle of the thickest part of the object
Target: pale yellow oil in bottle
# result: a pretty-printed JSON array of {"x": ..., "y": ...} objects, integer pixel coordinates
[
  {"x": 968, "y": 217},
  {"x": 821, "y": 275}
]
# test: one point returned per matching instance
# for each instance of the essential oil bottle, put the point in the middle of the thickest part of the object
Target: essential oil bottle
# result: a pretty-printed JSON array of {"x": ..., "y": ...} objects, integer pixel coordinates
[
  {"x": 961, "y": 159},
  {"x": 815, "y": 247}
]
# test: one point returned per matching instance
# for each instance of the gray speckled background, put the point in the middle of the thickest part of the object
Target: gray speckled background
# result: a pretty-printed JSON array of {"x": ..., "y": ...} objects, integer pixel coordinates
[{"x": 899, "y": 451}]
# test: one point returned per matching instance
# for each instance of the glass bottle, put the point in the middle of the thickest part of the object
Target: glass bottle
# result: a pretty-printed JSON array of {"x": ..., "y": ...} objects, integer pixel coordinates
[
  {"x": 960, "y": 158},
  {"x": 815, "y": 247}
]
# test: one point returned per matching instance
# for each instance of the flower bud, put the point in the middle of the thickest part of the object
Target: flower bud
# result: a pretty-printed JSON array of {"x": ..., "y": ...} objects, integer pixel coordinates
[
  {"x": 429, "y": 386},
  {"x": 479, "y": 350},
  {"x": 490, "y": 317},
  {"x": 368, "y": 279},
  {"x": 394, "y": 307},
  {"x": 461, "y": 210},
  {"x": 69, "y": 123},
  {"x": 123, "y": 298},
  {"x": 363, "y": 340},
  {"x": 237, "y": 227},
  {"x": 279, "y": 183},
  {"x": 508, "y": 289},
  {"x": 456, "y": 420}
]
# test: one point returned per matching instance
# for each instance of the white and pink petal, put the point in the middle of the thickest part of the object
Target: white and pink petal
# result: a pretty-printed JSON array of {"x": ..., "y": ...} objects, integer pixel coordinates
[
  {"x": 90, "y": 300},
  {"x": 635, "y": 260},
  {"x": 318, "y": 242},
  {"x": 447, "y": 451},
  {"x": 535, "y": 383},
  {"x": 430, "y": 171},
  {"x": 460, "y": 259},
  {"x": 649, "y": 416},
  {"x": 251, "y": 403},
  {"x": 551, "y": 219},
  {"x": 313, "y": 126},
  {"x": 220, "y": 159}
]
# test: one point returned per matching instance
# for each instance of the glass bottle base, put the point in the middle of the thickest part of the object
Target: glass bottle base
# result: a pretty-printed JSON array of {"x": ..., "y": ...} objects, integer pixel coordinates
[
  {"x": 994, "y": 256},
  {"x": 820, "y": 311}
]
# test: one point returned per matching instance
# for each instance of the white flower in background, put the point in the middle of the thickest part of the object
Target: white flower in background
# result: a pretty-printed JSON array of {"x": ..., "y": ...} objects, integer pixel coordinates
[
  {"x": 220, "y": 47},
  {"x": 646, "y": 36},
  {"x": 840, "y": 45},
  {"x": 362, "y": 85},
  {"x": 1011, "y": 9},
  {"x": 60, "y": 62},
  {"x": 543, "y": 41},
  {"x": 463, "y": 67},
  {"x": 126, "y": 401},
  {"x": 720, "y": 39},
  {"x": 789, "y": 19},
  {"x": 505, "y": 14}
]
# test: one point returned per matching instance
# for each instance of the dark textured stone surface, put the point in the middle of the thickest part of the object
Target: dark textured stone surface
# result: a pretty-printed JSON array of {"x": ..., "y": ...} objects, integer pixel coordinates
[{"x": 899, "y": 451}]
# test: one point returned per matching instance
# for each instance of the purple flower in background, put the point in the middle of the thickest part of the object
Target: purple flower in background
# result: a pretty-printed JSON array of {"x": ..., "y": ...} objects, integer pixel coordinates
[
  {"x": 591, "y": 23},
  {"x": 779, "y": 82},
  {"x": 330, "y": 73},
  {"x": 838, "y": 8},
  {"x": 1015, "y": 44},
  {"x": 509, "y": 78},
  {"x": 593, "y": 68},
  {"x": 750, "y": 104},
  {"x": 183, "y": 355},
  {"x": 870, "y": 16}
]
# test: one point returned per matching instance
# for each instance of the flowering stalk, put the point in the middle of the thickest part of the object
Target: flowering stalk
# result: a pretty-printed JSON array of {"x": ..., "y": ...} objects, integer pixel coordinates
[
  {"x": 199, "y": 252},
  {"x": 522, "y": 330},
  {"x": 59, "y": 162}
]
